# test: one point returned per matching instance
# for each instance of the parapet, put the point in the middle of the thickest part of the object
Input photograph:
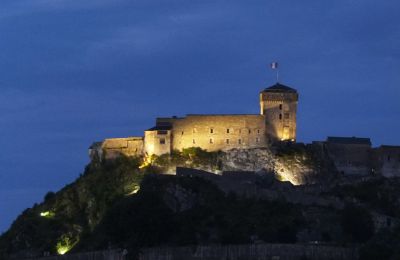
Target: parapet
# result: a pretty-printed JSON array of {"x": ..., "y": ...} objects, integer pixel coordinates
[{"x": 115, "y": 147}]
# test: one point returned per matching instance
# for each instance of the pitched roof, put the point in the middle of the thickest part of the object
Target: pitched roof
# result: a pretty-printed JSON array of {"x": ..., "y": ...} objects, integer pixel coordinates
[
  {"x": 348, "y": 140},
  {"x": 278, "y": 87}
]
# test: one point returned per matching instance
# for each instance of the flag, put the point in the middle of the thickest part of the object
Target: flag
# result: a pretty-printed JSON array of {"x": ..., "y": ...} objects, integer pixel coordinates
[{"x": 274, "y": 65}]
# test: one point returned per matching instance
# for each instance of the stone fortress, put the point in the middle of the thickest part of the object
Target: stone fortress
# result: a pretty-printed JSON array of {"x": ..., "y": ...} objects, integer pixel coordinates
[{"x": 276, "y": 123}]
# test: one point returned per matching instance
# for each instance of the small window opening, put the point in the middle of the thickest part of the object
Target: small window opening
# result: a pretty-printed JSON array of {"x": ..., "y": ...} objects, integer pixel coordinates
[
  {"x": 227, "y": 141},
  {"x": 162, "y": 140}
]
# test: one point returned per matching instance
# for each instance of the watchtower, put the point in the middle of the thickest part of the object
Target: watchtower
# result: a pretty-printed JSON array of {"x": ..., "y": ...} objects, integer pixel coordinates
[{"x": 278, "y": 104}]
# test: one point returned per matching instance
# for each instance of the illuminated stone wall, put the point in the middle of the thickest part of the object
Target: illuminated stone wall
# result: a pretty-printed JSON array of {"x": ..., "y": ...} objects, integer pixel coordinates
[
  {"x": 115, "y": 147},
  {"x": 218, "y": 132},
  {"x": 280, "y": 111},
  {"x": 157, "y": 142}
]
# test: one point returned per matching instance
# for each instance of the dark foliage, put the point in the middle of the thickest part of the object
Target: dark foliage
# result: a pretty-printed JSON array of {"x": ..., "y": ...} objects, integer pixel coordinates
[
  {"x": 357, "y": 223},
  {"x": 146, "y": 220}
]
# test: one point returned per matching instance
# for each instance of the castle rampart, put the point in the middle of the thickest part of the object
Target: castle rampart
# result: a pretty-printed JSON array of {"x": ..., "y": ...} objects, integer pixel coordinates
[
  {"x": 115, "y": 147},
  {"x": 219, "y": 132}
]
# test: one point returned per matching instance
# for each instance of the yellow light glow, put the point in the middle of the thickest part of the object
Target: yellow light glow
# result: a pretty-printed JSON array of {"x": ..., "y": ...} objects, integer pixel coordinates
[
  {"x": 63, "y": 250},
  {"x": 148, "y": 160},
  {"x": 47, "y": 214},
  {"x": 134, "y": 191},
  {"x": 65, "y": 244}
]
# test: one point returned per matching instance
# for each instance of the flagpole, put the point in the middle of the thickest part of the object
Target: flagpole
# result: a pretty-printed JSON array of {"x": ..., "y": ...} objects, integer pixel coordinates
[{"x": 277, "y": 75}]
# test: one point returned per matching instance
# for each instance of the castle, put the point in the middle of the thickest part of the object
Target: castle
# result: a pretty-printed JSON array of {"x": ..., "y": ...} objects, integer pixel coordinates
[{"x": 276, "y": 122}]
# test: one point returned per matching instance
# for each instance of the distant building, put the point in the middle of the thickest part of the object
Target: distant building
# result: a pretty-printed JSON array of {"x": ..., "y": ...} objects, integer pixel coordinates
[
  {"x": 351, "y": 155},
  {"x": 387, "y": 160},
  {"x": 354, "y": 156},
  {"x": 276, "y": 122}
]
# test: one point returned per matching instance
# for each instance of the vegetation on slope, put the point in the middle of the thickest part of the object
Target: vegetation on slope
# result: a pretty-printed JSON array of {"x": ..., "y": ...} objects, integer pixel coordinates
[
  {"x": 57, "y": 224},
  {"x": 121, "y": 204},
  {"x": 206, "y": 216}
]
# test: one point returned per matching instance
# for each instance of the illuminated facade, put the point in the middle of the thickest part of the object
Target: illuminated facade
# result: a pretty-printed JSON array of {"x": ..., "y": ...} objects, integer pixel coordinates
[
  {"x": 276, "y": 122},
  {"x": 279, "y": 106}
]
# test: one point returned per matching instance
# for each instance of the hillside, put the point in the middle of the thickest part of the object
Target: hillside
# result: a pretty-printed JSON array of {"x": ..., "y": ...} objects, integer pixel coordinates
[{"x": 127, "y": 203}]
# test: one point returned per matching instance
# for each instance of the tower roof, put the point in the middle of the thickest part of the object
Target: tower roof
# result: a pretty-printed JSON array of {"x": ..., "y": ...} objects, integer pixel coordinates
[{"x": 278, "y": 87}]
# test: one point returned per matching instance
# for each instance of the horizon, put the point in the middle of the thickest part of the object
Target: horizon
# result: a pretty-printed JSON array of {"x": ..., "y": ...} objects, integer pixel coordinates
[{"x": 78, "y": 72}]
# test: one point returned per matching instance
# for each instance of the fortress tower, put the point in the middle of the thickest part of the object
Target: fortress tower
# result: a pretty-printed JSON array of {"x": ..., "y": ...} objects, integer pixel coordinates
[{"x": 278, "y": 104}]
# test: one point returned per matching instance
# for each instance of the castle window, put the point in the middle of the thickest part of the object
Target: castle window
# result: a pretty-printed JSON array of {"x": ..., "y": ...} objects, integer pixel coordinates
[
  {"x": 280, "y": 106},
  {"x": 211, "y": 130},
  {"x": 286, "y": 115},
  {"x": 227, "y": 130},
  {"x": 240, "y": 141},
  {"x": 280, "y": 116},
  {"x": 258, "y": 131},
  {"x": 227, "y": 141},
  {"x": 193, "y": 141},
  {"x": 211, "y": 141},
  {"x": 257, "y": 140},
  {"x": 182, "y": 132},
  {"x": 162, "y": 132},
  {"x": 249, "y": 131},
  {"x": 162, "y": 140}
]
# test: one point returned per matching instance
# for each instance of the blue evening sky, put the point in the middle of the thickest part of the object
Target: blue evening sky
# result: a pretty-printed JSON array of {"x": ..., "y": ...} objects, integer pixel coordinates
[{"x": 73, "y": 72}]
